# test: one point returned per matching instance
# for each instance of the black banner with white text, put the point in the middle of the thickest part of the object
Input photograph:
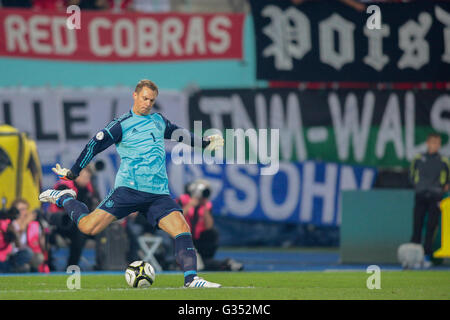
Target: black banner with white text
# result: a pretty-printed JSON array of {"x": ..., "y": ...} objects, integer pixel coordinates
[
  {"x": 329, "y": 41},
  {"x": 381, "y": 128}
]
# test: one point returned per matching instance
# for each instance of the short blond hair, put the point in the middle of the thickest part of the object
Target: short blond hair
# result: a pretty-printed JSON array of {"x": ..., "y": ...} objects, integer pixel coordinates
[{"x": 146, "y": 83}]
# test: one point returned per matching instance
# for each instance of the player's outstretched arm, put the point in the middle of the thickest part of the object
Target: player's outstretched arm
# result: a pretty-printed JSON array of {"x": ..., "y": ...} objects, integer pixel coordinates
[
  {"x": 111, "y": 134},
  {"x": 212, "y": 142}
]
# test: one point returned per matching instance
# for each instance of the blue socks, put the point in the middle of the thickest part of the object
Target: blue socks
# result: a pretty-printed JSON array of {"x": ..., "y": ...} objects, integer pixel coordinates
[
  {"x": 186, "y": 256},
  {"x": 74, "y": 208}
]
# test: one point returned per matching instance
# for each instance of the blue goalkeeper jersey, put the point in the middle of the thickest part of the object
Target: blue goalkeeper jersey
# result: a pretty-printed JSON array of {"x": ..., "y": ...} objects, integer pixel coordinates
[{"x": 139, "y": 141}]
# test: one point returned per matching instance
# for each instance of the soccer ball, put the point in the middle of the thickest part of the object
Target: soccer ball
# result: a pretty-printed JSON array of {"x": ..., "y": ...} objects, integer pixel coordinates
[{"x": 140, "y": 274}]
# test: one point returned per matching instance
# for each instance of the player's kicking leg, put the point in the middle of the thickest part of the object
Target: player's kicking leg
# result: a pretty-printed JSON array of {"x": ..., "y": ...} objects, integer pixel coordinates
[
  {"x": 90, "y": 223},
  {"x": 176, "y": 226}
]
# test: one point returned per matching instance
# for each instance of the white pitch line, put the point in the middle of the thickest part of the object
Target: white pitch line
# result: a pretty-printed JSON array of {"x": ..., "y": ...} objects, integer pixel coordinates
[
  {"x": 355, "y": 270},
  {"x": 110, "y": 289}
]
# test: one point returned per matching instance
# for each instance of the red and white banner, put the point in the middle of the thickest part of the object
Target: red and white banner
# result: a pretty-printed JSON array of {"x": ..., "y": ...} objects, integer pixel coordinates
[{"x": 127, "y": 37}]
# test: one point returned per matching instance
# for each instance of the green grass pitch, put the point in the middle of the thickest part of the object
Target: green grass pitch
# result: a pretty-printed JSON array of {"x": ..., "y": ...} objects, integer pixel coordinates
[{"x": 421, "y": 285}]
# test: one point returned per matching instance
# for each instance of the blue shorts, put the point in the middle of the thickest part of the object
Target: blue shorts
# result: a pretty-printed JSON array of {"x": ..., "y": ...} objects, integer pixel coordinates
[{"x": 122, "y": 201}]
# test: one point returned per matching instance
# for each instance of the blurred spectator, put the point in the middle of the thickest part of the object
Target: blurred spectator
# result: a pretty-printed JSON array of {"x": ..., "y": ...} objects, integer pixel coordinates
[
  {"x": 120, "y": 5},
  {"x": 430, "y": 176},
  {"x": 48, "y": 4},
  {"x": 147, "y": 6},
  {"x": 197, "y": 212},
  {"x": 114, "y": 5},
  {"x": 16, "y": 3},
  {"x": 86, "y": 193},
  {"x": 22, "y": 242},
  {"x": 355, "y": 4},
  {"x": 90, "y": 4}
]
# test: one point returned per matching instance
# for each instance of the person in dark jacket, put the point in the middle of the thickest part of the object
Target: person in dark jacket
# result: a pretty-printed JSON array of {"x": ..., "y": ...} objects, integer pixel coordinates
[{"x": 430, "y": 176}]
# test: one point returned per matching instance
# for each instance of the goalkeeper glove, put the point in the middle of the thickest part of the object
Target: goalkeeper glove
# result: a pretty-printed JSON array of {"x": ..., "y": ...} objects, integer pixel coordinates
[
  {"x": 63, "y": 173},
  {"x": 215, "y": 142}
]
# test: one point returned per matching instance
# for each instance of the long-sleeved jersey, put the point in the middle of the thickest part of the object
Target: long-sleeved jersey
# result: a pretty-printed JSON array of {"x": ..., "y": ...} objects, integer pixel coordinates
[
  {"x": 430, "y": 172},
  {"x": 139, "y": 141}
]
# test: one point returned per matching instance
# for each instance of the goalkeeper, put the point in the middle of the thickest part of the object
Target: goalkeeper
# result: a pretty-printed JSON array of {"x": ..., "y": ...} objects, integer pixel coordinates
[{"x": 141, "y": 182}]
